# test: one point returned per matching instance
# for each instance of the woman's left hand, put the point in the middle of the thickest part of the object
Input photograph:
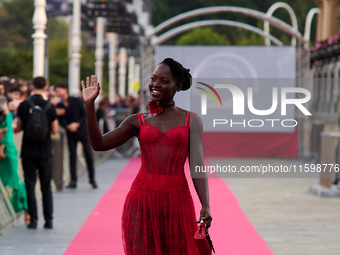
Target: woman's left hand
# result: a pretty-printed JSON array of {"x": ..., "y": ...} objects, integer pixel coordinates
[
  {"x": 206, "y": 216},
  {"x": 91, "y": 89}
]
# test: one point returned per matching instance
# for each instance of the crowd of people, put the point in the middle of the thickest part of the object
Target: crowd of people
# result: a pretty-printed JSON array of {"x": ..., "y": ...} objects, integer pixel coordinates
[
  {"x": 16, "y": 90},
  {"x": 12, "y": 92},
  {"x": 106, "y": 112},
  {"x": 18, "y": 100}
]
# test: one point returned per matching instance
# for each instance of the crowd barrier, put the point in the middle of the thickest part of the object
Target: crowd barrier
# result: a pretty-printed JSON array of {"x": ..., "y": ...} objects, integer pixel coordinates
[
  {"x": 60, "y": 175},
  {"x": 317, "y": 128},
  {"x": 329, "y": 158},
  {"x": 60, "y": 167},
  {"x": 329, "y": 166},
  {"x": 7, "y": 214}
]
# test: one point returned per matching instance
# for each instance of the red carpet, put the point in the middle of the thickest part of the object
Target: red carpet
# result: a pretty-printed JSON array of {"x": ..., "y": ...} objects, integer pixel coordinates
[{"x": 231, "y": 231}]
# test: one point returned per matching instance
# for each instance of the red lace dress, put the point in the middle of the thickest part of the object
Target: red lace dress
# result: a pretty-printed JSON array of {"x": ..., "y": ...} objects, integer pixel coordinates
[{"x": 159, "y": 216}]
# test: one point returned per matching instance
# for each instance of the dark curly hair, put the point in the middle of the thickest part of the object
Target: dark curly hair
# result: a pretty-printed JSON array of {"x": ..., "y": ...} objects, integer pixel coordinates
[
  {"x": 182, "y": 74},
  {"x": 39, "y": 82}
]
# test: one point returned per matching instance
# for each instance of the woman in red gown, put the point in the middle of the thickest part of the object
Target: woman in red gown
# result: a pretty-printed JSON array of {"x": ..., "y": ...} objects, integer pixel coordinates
[{"x": 158, "y": 216}]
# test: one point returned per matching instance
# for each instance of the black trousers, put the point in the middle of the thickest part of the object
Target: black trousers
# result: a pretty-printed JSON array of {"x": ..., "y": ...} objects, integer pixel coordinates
[
  {"x": 44, "y": 168},
  {"x": 72, "y": 140}
]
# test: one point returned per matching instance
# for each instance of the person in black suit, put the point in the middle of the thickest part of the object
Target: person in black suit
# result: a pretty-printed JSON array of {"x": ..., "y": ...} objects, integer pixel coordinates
[
  {"x": 72, "y": 116},
  {"x": 37, "y": 155}
]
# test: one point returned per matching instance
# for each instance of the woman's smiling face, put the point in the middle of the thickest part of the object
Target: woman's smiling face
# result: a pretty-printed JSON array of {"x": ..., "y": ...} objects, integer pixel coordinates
[{"x": 163, "y": 84}]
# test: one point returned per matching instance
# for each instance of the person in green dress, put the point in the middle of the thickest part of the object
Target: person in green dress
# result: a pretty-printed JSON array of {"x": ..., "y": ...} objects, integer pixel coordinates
[{"x": 9, "y": 174}]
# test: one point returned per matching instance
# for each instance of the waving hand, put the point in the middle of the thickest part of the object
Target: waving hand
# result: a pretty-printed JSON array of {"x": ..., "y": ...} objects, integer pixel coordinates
[{"x": 91, "y": 90}]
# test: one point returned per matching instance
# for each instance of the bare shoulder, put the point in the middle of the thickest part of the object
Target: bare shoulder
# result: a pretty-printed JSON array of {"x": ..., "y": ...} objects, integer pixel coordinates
[
  {"x": 145, "y": 115},
  {"x": 184, "y": 112},
  {"x": 196, "y": 124},
  {"x": 194, "y": 116},
  {"x": 131, "y": 121},
  {"x": 196, "y": 121}
]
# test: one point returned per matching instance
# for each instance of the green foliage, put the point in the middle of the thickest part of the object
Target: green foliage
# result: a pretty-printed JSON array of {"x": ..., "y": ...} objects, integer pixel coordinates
[
  {"x": 17, "y": 55},
  {"x": 27, "y": 59},
  {"x": 166, "y": 9},
  {"x": 16, "y": 23},
  {"x": 244, "y": 37},
  {"x": 16, "y": 31},
  {"x": 58, "y": 53},
  {"x": 58, "y": 61},
  {"x": 225, "y": 36},
  {"x": 16, "y": 62},
  {"x": 203, "y": 36},
  {"x": 9, "y": 55},
  {"x": 57, "y": 50},
  {"x": 87, "y": 63},
  {"x": 57, "y": 28}
]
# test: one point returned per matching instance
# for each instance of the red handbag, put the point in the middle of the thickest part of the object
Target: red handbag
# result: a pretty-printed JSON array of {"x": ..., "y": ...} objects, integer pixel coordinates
[{"x": 202, "y": 239}]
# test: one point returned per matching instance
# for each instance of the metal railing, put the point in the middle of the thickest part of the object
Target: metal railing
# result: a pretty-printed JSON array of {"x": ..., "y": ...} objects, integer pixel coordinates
[
  {"x": 60, "y": 168},
  {"x": 326, "y": 90},
  {"x": 7, "y": 213}
]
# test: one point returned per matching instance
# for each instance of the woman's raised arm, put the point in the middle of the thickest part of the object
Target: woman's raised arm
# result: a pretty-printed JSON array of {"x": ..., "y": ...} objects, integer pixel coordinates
[{"x": 114, "y": 138}]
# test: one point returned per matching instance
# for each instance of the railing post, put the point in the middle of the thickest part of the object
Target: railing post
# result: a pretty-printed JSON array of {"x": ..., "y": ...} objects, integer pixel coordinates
[
  {"x": 75, "y": 56},
  {"x": 39, "y": 24}
]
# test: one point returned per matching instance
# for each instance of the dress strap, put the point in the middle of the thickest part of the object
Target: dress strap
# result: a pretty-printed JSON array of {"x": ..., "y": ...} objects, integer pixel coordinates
[
  {"x": 187, "y": 124},
  {"x": 187, "y": 118},
  {"x": 140, "y": 116},
  {"x": 191, "y": 119}
]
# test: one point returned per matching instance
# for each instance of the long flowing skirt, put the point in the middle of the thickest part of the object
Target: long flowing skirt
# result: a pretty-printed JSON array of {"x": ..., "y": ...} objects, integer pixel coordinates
[{"x": 159, "y": 217}]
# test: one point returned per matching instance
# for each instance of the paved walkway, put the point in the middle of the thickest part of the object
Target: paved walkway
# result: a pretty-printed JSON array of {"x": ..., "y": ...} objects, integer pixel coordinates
[
  {"x": 289, "y": 219},
  {"x": 71, "y": 208},
  {"x": 287, "y": 216}
]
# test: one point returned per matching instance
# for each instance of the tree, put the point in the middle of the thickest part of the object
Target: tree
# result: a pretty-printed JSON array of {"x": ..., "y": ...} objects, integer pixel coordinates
[
  {"x": 16, "y": 27},
  {"x": 58, "y": 61},
  {"x": 166, "y": 9},
  {"x": 15, "y": 38},
  {"x": 202, "y": 36}
]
